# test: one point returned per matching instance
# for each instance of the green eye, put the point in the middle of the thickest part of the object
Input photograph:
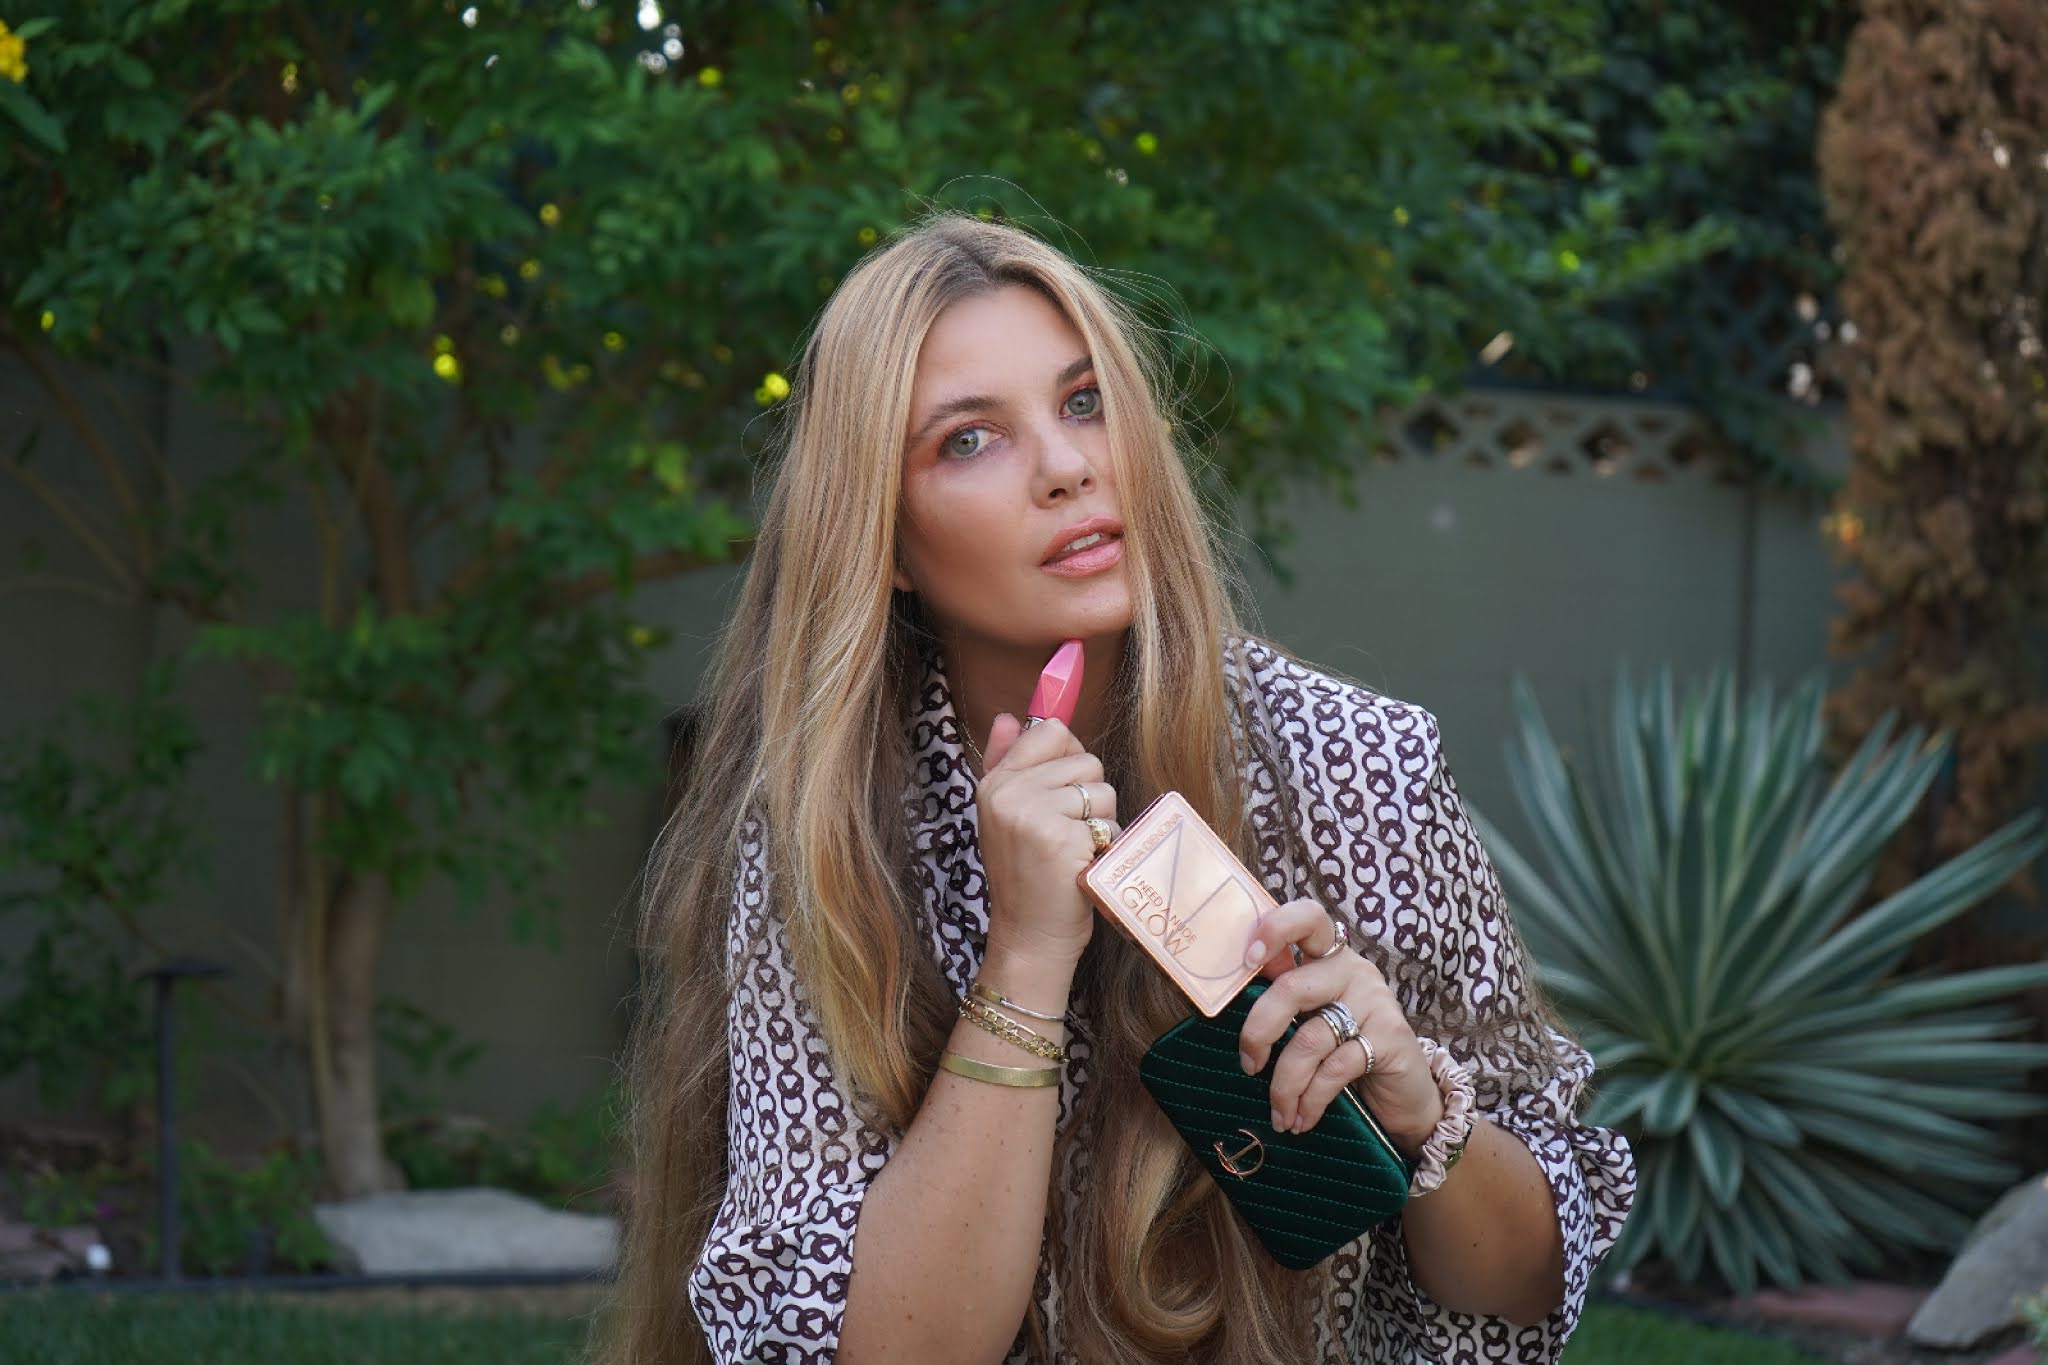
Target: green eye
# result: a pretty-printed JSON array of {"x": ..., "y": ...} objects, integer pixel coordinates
[{"x": 968, "y": 442}]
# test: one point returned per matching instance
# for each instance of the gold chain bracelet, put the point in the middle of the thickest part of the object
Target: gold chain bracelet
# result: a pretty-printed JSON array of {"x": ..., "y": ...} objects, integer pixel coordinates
[{"x": 1010, "y": 1031}]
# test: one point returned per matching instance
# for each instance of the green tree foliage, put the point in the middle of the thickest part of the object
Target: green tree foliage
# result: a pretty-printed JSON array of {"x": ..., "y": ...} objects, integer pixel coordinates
[
  {"x": 1713, "y": 106},
  {"x": 95, "y": 827},
  {"x": 497, "y": 293}
]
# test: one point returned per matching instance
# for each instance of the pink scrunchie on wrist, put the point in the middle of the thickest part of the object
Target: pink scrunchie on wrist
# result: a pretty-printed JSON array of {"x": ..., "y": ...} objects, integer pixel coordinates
[{"x": 1447, "y": 1140}]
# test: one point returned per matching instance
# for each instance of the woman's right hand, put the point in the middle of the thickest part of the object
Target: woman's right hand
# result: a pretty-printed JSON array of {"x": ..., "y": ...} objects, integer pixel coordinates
[{"x": 1033, "y": 843}]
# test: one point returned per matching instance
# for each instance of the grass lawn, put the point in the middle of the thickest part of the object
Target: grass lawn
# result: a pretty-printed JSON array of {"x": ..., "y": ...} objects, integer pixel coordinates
[
  {"x": 1610, "y": 1333},
  {"x": 79, "y": 1329}
]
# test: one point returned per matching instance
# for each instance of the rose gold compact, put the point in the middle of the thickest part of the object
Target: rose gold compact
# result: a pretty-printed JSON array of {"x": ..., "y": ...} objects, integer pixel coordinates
[{"x": 1170, "y": 883}]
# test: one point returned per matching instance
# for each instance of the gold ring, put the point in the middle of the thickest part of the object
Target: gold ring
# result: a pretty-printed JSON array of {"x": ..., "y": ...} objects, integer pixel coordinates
[
  {"x": 1098, "y": 834},
  {"x": 1087, "y": 807}
]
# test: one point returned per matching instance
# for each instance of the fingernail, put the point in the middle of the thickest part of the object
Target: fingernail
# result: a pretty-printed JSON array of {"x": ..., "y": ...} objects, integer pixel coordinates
[
  {"x": 1255, "y": 953},
  {"x": 1279, "y": 1125},
  {"x": 1301, "y": 1124},
  {"x": 1244, "y": 1059}
]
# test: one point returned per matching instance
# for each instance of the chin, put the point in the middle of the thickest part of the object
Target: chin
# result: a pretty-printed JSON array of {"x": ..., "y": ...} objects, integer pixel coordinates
[{"x": 1096, "y": 620}]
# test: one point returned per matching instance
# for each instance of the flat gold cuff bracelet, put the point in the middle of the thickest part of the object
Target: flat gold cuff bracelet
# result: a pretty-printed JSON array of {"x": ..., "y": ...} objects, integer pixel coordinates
[{"x": 1028, "y": 1077}]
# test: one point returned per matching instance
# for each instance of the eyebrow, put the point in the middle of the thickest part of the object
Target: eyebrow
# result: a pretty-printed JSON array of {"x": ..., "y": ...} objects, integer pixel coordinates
[{"x": 974, "y": 402}]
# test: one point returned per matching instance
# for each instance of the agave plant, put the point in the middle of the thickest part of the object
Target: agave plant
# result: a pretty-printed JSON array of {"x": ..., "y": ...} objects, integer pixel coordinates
[{"x": 1796, "y": 1107}]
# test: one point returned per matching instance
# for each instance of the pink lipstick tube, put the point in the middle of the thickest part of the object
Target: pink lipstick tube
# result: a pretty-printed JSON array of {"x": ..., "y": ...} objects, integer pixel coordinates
[{"x": 1059, "y": 688}]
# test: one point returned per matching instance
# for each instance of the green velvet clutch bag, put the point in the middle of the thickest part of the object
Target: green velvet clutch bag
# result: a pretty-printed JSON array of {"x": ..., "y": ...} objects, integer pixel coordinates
[{"x": 1305, "y": 1195}]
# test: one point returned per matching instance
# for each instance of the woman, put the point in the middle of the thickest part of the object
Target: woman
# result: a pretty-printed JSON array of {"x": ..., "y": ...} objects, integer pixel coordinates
[{"x": 977, "y": 468}]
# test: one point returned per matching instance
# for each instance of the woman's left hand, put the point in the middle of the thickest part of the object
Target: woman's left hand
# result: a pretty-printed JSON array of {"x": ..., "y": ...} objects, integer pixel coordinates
[{"x": 1401, "y": 1093}]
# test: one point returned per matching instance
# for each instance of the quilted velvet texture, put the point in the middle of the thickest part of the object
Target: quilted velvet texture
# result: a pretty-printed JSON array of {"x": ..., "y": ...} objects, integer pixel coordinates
[{"x": 1316, "y": 1192}]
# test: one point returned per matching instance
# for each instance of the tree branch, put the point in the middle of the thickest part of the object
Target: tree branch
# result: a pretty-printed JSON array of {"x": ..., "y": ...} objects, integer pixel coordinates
[
  {"x": 96, "y": 442},
  {"x": 648, "y": 568},
  {"x": 49, "y": 582},
  {"x": 329, "y": 531},
  {"x": 382, "y": 513},
  {"x": 144, "y": 441},
  {"x": 94, "y": 543}
]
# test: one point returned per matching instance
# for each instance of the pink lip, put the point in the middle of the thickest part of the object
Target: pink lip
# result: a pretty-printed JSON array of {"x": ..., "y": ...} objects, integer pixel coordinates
[{"x": 1092, "y": 560}]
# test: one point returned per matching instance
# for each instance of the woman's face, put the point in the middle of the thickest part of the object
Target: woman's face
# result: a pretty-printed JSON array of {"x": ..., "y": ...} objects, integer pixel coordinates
[{"x": 1006, "y": 466}]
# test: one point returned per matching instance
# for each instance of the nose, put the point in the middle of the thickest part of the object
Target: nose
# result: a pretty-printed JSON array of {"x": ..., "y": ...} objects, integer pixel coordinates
[{"x": 1064, "y": 470}]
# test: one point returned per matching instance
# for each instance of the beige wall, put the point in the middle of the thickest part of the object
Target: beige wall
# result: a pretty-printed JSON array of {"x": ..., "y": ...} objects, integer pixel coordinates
[{"x": 1440, "y": 582}]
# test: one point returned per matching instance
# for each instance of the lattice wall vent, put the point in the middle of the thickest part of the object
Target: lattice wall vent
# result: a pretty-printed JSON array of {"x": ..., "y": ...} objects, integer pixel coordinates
[{"x": 1557, "y": 434}]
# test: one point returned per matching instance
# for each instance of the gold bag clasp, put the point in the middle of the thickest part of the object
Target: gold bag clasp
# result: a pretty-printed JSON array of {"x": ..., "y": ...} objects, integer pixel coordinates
[{"x": 1246, "y": 1160}]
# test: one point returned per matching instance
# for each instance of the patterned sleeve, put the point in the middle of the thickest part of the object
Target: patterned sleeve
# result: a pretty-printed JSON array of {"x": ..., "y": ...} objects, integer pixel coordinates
[
  {"x": 1529, "y": 1079},
  {"x": 1394, "y": 849},
  {"x": 770, "y": 1282}
]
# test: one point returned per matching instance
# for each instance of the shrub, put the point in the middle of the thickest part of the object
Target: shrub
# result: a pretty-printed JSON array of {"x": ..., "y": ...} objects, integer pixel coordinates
[{"x": 1795, "y": 1108}]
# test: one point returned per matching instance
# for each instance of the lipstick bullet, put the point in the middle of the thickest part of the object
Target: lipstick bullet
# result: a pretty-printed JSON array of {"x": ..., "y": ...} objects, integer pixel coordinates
[{"x": 1059, "y": 688}]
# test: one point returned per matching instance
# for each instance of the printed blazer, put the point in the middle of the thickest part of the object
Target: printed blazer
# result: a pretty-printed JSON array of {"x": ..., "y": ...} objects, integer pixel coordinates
[{"x": 1394, "y": 855}]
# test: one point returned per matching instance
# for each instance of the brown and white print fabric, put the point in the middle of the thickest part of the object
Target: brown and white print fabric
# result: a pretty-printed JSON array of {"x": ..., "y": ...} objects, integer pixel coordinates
[{"x": 1378, "y": 815}]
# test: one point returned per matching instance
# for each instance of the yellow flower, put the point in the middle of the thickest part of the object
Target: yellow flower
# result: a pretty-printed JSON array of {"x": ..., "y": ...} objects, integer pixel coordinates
[
  {"x": 448, "y": 367},
  {"x": 640, "y": 637},
  {"x": 443, "y": 344},
  {"x": 613, "y": 341},
  {"x": 1148, "y": 144},
  {"x": 13, "y": 54},
  {"x": 290, "y": 78},
  {"x": 1568, "y": 259},
  {"x": 49, "y": 320},
  {"x": 494, "y": 285},
  {"x": 775, "y": 386},
  {"x": 710, "y": 77},
  {"x": 1400, "y": 216},
  {"x": 529, "y": 269},
  {"x": 866, "y": 236},
  {"x": 550, "y": 214}
]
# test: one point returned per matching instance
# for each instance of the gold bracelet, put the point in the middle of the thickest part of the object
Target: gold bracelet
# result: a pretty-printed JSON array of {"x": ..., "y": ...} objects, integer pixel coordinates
[
  {"x": 1010, "y": 1031},
  {"x": 1026, "y": 1077},
  {"x": 989, "y": 997}
]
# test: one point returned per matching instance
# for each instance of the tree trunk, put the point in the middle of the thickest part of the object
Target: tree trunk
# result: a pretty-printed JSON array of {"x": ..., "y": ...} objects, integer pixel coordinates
[{"x": 351, "y": 1133}]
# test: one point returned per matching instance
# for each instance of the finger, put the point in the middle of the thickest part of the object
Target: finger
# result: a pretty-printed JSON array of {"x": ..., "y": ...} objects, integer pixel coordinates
[
  {"x": 1313, "y": 1042},
  {"x": 1101, "y": 801},
  {"x": 1044, "y": 741},
  {"x": 1088, "y": 840},
  {"x": 1339, "y": 1068},
  {"x": 1060, "y": 772},
  {"x": 1001, "y": 736},
  {"x": 1292, "y": 993},
  {"x": 1299, "y": 921}
]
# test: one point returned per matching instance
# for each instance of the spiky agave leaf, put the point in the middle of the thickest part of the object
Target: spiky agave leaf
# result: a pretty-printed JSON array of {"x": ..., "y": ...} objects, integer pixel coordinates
[{"x": 1796, "y": 1110}]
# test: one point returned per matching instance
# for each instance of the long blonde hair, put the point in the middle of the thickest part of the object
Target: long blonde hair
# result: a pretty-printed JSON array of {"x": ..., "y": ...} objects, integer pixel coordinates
[{"x": 820, "y": 662}]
